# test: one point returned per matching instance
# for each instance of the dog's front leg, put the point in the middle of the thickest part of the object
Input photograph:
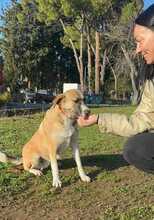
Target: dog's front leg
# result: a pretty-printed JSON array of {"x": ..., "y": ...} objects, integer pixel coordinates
[
  {"x": 76, "y": 154},
  {"x": 55, "y": 172}
]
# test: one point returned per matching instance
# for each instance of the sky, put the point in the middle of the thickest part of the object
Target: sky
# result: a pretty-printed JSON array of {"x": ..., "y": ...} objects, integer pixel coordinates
[
  {"x": 5, "y": 3},
  {"x": 148, "y": 3}
]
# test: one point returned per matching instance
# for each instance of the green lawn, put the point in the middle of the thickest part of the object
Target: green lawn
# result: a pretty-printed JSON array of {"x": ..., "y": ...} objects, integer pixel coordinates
[{"x": 117, "y": 191}]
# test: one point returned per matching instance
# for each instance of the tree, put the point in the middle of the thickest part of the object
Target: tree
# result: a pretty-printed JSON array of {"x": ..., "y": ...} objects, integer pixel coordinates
[
  {"x": 119, "y": 35},
  {"x": 41, "y": 37},
  {"x": 33, "y": 50}
]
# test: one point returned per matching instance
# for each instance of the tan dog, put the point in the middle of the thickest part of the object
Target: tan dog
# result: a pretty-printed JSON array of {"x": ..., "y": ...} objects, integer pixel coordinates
[{"x": 57, "y": 130}]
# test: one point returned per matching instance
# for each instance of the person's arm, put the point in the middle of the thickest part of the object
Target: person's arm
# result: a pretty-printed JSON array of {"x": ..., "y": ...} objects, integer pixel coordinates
[
  {"x": 118, "y": 123},
  {"x": 122, "y": 125}
]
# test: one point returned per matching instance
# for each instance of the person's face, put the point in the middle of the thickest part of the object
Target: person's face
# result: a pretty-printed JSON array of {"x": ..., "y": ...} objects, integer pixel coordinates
[{"x": 144, "y": 38}]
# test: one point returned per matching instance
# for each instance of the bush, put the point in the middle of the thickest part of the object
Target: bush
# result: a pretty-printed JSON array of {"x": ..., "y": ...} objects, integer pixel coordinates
[{"x": 4, "y": 98}]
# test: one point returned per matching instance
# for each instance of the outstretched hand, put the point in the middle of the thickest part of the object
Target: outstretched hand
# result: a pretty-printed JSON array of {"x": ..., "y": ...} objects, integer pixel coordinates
[{"x": 85, "y": 122}]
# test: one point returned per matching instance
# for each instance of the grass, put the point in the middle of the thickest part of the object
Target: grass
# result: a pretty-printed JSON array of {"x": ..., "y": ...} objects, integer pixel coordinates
[{"x": 117, "y": 191}]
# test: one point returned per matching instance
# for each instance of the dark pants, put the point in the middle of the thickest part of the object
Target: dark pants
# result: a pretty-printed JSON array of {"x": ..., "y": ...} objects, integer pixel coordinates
[{"x": 139, "y": 151}]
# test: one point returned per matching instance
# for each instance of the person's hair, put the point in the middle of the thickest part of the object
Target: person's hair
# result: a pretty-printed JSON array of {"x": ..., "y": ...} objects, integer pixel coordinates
[
  {"x": 146, "y": 18},
  {"x": 149, "y": 72}
]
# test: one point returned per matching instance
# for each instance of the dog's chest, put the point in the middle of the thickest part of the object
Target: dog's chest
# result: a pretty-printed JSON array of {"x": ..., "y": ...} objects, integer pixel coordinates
[{"x": 66, "y": 135}]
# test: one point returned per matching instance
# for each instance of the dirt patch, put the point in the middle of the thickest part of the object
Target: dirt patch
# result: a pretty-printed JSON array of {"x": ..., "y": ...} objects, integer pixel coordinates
[{"x": 118, "y": 191}]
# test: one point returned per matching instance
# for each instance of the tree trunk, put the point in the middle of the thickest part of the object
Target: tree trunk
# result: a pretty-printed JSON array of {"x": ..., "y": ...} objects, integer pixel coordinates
[
  {"x": 97, "y": 63},
  {"x": 102, "y": 73},
  {"x": 133, "y": 76},
  {"x": 79, "y": 63},
  {"x": 115, "y": 79},
  {"x": 89, "y": 64},
  {"x": 29, "y": 84}
]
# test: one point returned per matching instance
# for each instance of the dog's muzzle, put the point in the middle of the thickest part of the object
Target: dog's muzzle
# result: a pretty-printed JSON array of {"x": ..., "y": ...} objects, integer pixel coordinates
[{"x": 85, "y": 111}]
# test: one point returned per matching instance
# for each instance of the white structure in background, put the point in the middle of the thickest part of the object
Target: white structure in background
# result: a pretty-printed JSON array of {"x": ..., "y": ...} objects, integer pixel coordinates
[{"x": 67, "y": 86}]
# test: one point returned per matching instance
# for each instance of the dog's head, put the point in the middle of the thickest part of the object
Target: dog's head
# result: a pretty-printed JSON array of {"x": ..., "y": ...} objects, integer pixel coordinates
[{"x": 72, "y": 104}]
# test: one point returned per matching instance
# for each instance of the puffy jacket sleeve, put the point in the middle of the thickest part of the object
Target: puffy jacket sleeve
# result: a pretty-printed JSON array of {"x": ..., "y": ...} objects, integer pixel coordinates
[
  {"x": 122, "y": 125},
  {"x": 141, "y": 120}
]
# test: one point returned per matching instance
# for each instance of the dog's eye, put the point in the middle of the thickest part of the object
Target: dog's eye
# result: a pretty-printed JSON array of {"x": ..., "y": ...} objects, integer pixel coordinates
[{"x": 77, "y": 100}]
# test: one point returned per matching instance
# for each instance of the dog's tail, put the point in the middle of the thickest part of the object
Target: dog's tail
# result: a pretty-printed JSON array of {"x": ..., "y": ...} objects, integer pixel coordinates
[{"x": 7, "y": 159}]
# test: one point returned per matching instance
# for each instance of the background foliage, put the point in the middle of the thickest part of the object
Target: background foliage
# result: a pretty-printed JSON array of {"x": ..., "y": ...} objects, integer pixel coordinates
[{"x": 47, "y": 43}]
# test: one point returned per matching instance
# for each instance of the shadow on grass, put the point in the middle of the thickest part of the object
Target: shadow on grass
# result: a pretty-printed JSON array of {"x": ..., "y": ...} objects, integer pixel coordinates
[
  {"x": 100, "y": 163},
  {"x": 106, "y": 162}
]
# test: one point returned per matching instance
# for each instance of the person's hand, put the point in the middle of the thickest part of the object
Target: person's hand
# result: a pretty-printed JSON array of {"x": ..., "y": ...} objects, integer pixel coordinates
[{"x": 85, "y": 122}]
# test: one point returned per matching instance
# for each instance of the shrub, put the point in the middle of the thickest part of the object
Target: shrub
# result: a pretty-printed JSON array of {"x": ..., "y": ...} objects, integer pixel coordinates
[{"x": 4, "y": 98}]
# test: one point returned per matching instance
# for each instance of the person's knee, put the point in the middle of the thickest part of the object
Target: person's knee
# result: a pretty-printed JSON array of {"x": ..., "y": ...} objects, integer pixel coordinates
[
  {"x": 138, "y": 151},
  {"x": 130, "y": 150}
]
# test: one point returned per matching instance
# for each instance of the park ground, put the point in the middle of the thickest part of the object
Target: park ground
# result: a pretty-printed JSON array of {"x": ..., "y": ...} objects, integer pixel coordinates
[{"x": 118, "y": 191}]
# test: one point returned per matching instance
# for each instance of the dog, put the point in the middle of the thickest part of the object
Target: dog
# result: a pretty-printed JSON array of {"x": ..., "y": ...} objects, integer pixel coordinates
[{"x": 57, "y": 131}]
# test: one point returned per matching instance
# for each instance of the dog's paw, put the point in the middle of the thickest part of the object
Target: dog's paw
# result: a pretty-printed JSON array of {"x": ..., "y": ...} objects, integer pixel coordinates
[
  {"x": 36, "y": 172},
  {"x": 85, "y": 178},
  {"x": 58, "y": 157},
  {"x": 56, "y": 183}
]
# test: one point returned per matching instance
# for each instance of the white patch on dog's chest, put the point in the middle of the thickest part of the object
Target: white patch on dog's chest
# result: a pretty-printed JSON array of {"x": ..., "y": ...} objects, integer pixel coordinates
[{"x": 65, "y": 136}]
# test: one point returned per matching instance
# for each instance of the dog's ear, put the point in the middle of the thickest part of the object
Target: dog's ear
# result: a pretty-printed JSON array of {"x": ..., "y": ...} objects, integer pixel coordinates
[{"x": 57, "y": 99}]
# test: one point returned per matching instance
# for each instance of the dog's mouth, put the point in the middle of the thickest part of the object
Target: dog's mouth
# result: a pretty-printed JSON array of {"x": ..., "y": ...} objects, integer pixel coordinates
[
  {"x": 72, "y": 114},
  {"x": 75, "y": 116},
  {"x": 85, "y": 115}
]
